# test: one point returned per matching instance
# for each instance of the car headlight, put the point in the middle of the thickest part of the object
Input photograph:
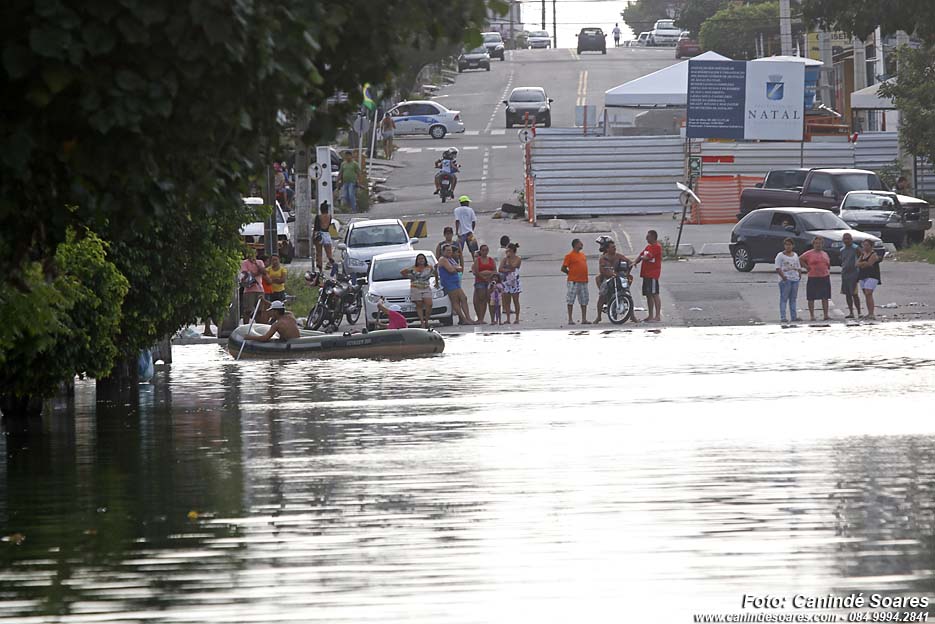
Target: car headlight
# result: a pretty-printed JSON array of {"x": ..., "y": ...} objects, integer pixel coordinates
[
  {"x": 354, "y": 262},
  {"x": 542, "y": 109},
  {"x": 837, "y": 245},
  {"x": 373, "y": 298},
  {"x": 438, "y": 293},
  {"x": 511, "y": 109}
]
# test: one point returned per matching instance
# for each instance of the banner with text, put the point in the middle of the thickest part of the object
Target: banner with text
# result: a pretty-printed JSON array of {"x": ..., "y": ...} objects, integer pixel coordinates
[{"x": 740, "y": 100}]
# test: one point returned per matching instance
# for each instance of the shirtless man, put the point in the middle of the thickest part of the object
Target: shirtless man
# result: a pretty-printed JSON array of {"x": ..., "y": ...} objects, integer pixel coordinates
[
  {"x": 284, "y": 324},
  {"x": 610, "y": 264}
]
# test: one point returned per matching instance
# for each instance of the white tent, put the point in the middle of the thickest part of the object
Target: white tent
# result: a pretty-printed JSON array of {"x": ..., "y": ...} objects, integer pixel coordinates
[
  {"x": 870, "y": 98},
  {"x": 808, "y": 62},
  {"x": 666, "y": 87}
]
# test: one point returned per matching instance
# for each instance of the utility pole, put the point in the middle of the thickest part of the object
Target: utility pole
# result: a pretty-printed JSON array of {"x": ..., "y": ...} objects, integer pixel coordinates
[
  {"x": 543, "y": 14},
  {"x": 785, "y": 27},
  {"x": 554, "y": 28},
  {"x": 512, "y": 34}
]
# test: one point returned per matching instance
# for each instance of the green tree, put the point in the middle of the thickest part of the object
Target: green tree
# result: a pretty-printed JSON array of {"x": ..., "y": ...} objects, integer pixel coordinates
[
  {"x": 63, "y": 325},
  {"x": 732, "y": 31},
  {"x": 143, "y": 121},
  {"x": 695, "y": 12},
  {"x": 861, "y": 17},
  {"x": 641, "y": 15},
  {"x": 913, "y": 93}
]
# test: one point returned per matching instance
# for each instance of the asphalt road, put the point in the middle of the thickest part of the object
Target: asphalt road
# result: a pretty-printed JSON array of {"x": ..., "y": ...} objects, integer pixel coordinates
[{"x": 696, "y": 291}]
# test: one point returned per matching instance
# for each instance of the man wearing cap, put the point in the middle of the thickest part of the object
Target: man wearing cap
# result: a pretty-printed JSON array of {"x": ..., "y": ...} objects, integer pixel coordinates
[
  {"x": 284, "y": 324},
  {"x": 394, "y": 314},
  {"x": 348, "y": 177},
  {"x": 465, "y": 222}
]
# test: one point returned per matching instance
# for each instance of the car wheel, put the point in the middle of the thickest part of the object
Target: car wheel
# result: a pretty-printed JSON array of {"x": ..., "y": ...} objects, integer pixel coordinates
[
  {"x": 509, "y": 122},
  {"x": 548, "y": 122},
  {"x": 604, "y": 51},
  {"x": 916, "y": 237},
  {"x": 487, "y": 68},
  {"x": 742, "y": 260},
  {"x": 579, "y": 50},
  {"x": 460, "y": 69},
  {"x": 448, "y": 321},
  {"x": 438, "y": 132},
  {"x": 902, "y": 241}
]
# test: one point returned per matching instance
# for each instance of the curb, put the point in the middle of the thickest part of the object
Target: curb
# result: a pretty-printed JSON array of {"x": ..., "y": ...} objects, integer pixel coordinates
[{"x": 715, "y": 249}]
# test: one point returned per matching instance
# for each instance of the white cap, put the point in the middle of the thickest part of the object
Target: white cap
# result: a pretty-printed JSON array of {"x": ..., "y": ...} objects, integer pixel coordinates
[
  {"x": 277, "y": 305},
  {"x": 395, "y": 308}
]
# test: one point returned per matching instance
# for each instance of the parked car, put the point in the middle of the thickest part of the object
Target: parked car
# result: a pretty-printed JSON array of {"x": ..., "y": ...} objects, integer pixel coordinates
[
  {"x": 386, "y": 282},
  {"x": 759, "y": 235},
  {"x": 821, "y": 188},
  {"x": 253, "y": 234},
  {"x": 641, "y": 40},
  {"x": 532, "y": 100},
  {"x": 426, "y": 117},
  {"x": 539, "y": 39},
  {"x": 494, "y": 44},
  {"x": 664, "y": 32},
  {"x": 364, "y": 239},
  {"x": 475, "y": 58},
  {"x": 895, "y": 218},
  {"x": 686, "y": 47},
  {"x": 592, "y": 40}
]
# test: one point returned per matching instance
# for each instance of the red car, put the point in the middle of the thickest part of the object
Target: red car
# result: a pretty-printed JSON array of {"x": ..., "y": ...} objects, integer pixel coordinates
[{"x": 686, "y": 46}]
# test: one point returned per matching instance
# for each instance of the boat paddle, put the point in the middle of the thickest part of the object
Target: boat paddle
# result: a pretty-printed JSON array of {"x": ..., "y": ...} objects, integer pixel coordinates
[{"x": 252, "y": 319}]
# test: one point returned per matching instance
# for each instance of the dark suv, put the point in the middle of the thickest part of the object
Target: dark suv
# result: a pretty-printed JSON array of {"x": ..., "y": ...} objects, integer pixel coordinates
[
  {"x": 592, "y": 40},
  {"x": 758, "y": 237}
]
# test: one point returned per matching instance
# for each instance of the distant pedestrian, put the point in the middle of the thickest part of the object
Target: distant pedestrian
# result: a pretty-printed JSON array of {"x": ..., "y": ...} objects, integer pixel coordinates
[
  {"x": 449, "y": 274},
  {"x": 575, "y": 266},
  {"x": 651, "y": 271},
  {"x": 322, "y": 236},
  {"x": 789, "y": 270},
  {"x": 251, "y": 280},
  {"x": 465, "y": 222},
  {"x": 276, "y": 276},
  {"x": 849, "y": 254},
  {"x": 449, "y": 240},
  {"x": 501, "y": 253},
  {"x": 512, "y": 287},
  {"x": 349, "y": 176},
  {"x": 818, "y": 288},
  {"x": 420, "y": 288},
  {"x": 616, "y": 35},
  {"x": 902, "y": 186},
  {"x": 388, "y": 130},
  {"x": 868, "y": 272},
  {"x": 495, "y": 289},
  {"x": 484, "y": 269}
]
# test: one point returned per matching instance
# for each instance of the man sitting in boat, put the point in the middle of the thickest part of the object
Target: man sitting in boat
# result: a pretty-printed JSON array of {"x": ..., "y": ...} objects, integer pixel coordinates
[{"x": 284, "y": 324}]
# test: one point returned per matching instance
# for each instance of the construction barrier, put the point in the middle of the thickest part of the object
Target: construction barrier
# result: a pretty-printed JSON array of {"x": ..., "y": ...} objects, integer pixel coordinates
[
  {"x": 720, "y": 197},
  {"x": 417, "y": 229}
]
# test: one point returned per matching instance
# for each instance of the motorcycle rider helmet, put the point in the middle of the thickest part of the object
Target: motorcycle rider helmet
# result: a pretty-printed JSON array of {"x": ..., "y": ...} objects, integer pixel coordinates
[
  {"x": 603, "y": 242},
  {"x": 452, "y": 152}
]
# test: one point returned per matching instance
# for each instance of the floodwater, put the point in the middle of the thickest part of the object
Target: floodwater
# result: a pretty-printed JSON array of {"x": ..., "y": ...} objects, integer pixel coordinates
[{"x": 534, "y": 477}]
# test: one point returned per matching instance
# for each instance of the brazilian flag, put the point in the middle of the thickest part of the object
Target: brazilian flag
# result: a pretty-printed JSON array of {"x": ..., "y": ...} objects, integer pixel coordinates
[{"x": 369, "y": 104}]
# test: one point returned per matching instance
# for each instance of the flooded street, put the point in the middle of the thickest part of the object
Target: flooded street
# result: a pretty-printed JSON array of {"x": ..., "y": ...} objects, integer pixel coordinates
[{"x": 611, "y": 476}]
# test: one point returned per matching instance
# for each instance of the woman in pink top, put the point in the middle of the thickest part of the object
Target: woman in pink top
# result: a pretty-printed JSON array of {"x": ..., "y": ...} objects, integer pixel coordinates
[
  {"x": 818, "y": 266},
  {"x": 394, "y": 314}
]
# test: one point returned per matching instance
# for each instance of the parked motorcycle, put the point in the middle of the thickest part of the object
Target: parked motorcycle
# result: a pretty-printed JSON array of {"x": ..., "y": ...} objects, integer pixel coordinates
[{"x": 337, "y": 296}]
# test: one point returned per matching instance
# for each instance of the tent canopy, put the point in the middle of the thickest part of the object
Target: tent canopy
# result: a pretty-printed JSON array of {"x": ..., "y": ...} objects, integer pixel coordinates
[
  {"x": 666, "y": 87},
  {"x": 808, "y": 62},
  {"x": 869, "y": 98}
]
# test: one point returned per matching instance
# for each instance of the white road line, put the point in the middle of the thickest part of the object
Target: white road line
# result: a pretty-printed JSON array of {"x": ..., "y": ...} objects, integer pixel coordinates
[
  {"x": 498, "y": 132},
  {"x": 574, "y": 53},
  {"x": 503, "y": 96},
  {"x": 409, "y": 150},
  {"x": 483, "y": 177},
  {"x": 499, "y": 146},
  {"x": 470, "y": 147},
  {"x": 471, "y": 132}
]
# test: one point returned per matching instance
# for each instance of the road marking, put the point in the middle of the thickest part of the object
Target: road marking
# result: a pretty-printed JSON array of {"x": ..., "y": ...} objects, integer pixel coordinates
[
  {"x": 409, "y": 150},
  {"x": 503, "y": 96},
  {"x": 471, "y": 132},
  {"x": 499, "y": 146},
  {"x": 483, "y": 177},
  {"x": 470, "y": 147},
  {"x": 574, "y": 53},
  {"x": 498, "y": 132},
  {"x": 582, "y": 88}
]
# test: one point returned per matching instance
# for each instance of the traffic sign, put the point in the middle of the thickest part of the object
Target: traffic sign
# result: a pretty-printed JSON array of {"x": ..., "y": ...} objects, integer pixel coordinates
[
  {"x": 525, "y": 135},
  {"x": 361, "y": 124},
  {"x": 318, "y": 171},
  {"x": 694, "y": 165}
]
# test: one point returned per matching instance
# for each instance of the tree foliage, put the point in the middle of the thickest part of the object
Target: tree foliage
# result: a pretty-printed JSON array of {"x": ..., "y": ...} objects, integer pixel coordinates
[
  {"x": 641, "y": 15},
  {"x": 913, "y": 93},
  {"x": 861, "y": 17},
  {"x": 142, "y": 121},
  {"x": 732, "y": 31},
  {"x": 64, "y": 326}
]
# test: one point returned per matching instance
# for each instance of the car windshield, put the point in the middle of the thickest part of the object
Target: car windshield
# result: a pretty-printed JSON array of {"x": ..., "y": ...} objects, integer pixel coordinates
[
  {"x": 479, "y": 50},
  {"x": 859, "y": 182},
  {"x": 539, "y": 33},
  {"x": 527, "y": 96},
  {"x": 492, "y": 38},
  {"x": 665, "y": 25},
  {"x": 389, "y": 269},
  {"x": 823, "y": 221},
  {"x": 787, "y": 179},
  {"x": 377, "y": 236},
  {"x": 867, "y": 201}
]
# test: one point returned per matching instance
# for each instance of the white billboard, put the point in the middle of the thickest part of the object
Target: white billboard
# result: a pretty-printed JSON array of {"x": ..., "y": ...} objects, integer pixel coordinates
[{"x": 775, "y": 102}]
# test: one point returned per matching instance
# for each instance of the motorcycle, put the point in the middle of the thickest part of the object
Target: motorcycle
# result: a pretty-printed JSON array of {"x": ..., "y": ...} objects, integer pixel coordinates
[
  {"x": 337, "y": 296},
  {"x": 618, "y": 302},
  {"x": 446, "y": 184}
]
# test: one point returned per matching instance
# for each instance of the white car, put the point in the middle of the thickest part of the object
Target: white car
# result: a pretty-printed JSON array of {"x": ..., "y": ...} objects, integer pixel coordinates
[
  {"x": 641, "y": 40},
  {"x": 539, "y": 39},
  {"x": 253, "y": 233},
  {"x": 426, "y": 117},
  {"x": 366, "y": 238},
  {"x": 386, "y": 282},
  {"x": 664, "y": 32}
]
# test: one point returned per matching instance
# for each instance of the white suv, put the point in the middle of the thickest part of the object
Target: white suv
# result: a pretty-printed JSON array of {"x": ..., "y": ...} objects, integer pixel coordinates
[
  {"x": 367, "y": 238},
  {"x": 386, "y": 282},
  {"x": 664, "y": 32}
]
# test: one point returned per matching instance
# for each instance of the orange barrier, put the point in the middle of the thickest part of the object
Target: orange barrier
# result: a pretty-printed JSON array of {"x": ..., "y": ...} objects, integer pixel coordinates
[{"x": 720, "y": 197}]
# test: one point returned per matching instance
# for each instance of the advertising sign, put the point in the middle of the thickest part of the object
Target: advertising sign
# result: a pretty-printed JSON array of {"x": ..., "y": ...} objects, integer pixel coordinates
[{"x": 739, "y": 100}]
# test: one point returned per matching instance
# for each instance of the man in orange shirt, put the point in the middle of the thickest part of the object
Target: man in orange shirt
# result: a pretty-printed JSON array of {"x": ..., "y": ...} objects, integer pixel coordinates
[{"x": 575, "y": 266}]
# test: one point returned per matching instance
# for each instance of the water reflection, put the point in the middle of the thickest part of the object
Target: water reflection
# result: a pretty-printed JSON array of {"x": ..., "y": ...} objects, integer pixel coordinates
[{"x": 536, "y": 477}]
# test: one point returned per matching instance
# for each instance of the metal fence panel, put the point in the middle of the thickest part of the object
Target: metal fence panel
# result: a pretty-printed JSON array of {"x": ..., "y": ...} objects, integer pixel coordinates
[
  {"x": 597, "y": 175},
  {"x": 875, "y": 150},
  {"x": 758, "y": 158}
]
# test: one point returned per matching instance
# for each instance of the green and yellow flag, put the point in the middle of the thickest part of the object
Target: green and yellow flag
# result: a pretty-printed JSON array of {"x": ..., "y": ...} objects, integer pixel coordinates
[{"x": 369, "y": 104}]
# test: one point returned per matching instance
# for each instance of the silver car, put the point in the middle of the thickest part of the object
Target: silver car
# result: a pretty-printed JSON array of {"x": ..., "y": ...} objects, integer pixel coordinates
[
  {"x": 364, "y": 239},
  {"x": 476, "y": 58}
]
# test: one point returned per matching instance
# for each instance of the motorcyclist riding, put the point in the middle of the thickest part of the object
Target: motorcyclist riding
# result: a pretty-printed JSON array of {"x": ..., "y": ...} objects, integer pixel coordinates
[
  {"x": 611, "y": 265},
  {"x": 447, "y": 165}
]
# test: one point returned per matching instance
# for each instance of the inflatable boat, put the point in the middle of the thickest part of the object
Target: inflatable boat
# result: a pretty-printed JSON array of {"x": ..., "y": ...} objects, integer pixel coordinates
[{"x": 318, "y": 345}]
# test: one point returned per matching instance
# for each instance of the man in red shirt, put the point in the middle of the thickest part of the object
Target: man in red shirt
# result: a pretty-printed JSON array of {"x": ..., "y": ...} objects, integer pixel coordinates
[{"x": 651, "y": 257}]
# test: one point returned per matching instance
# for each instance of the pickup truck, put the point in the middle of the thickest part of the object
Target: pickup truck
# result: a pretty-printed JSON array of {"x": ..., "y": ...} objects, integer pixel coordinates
[{"x": 820, "y": 188}]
